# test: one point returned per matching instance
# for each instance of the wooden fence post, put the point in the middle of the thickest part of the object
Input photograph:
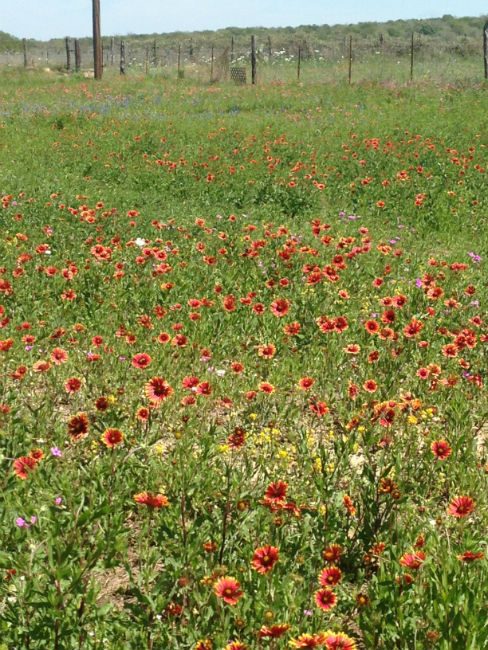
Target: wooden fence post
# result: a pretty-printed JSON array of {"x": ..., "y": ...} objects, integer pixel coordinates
[
  {"x": 299, "y": 62},
  {"x": 411, "y": 59},
  {"x": 253, "y": 59},
  {"x": 212, "y": 64},
  {"x": 112, "y": 51},
  {"x": 485, "y": 48},
  {"x": 24, "y": 47},
  {"x": 122, "y": 57},
  {"x": 155, "y": 54},
  {"x": 231, "y": 49},
  {"x": 77, "y": 55},
  {"x": 350, "y": 60},
  {"x": 97, "y": 41},
  {"x": 270, "y": 53},
  {"x": 68, "y": 53},
  {"x": 179, "y": 61}
]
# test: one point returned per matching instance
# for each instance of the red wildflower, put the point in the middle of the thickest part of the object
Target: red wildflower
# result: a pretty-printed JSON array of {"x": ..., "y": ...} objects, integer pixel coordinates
[
  {"x": 266, "y": 387},
  {"x": 209, "y": 547},
  {"x": 423, "y": 373},
  {"x": 412, "y": 560},
  {"x": 373, "y": 356},
  {"x": 141, "y": 360},
  {"x": 469, "y": 556},
  {"x": 308, "y": 641},
  {"x": 348, "y": 504},
  {"x": 276, "y": 491},
  {"x": 151, "y": 500},
  {"x": 157, "y": 390},
  {"x": 339, "y": 641},
  {"x": 23, "y": 465},
  {"x": 280, "y": 307},
  {"x": 413, "y": 328},
  {"x": 265, "y": 558},
  {"x": 203, "y": 644},
  {"x": 228, "y": 589},
  {"x": 102, "y": 404},
  {"x": 59, "y": 356},
  {"x": 340, "y": 324},
  {"x": 450, "y": 350},
  {"x": 78, "y": 426},
  {"x": 36, "y": 454},
  {"x": 371, "y": 326},
  {"x": 143, "y": 413},
  {"x": 461, "y": 506},
  {"x": 190, "y": 382},
  {"x": 370, "y": 386},
  {"x": 237, "y": 439},
  {"x": 203, "y": 388},
  {"x": 352, "y": 390},
  {"x": 325, "y": 599},
  {"x": 319, "y": 408},
  {"x": 69, "y": 295},
  {"x": 305, "y": 383},
  {"x": 330, "y": 576},
  {"x": 229, "y": 303},
  {"x": 273, "y": 631},
  {"x": 6, "y": 344},
  {"x": 112, "y": 437},
  {"x": 441, "y": 449},
  {"x": 292, "y": 329},
  {"x": 5, "y": 287},
  {"x": 332, "y": 553},
  {"x": 72, "y": 385},
  {"x": 388, "y": 317},
  {"x": 388, "y": 334},
  {"x": 267, "y": 351}
]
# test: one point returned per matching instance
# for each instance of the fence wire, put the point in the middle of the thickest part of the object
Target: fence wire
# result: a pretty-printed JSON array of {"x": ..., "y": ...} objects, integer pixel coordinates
[{"x": 380, "y": 60}]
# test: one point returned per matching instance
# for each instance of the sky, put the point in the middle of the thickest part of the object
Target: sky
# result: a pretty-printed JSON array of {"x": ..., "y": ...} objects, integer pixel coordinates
[{"x": 45, "y": 19}]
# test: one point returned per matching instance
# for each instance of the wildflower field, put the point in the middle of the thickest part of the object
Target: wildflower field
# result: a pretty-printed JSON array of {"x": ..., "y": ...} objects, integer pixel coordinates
[{"x": 242, "y": 365}]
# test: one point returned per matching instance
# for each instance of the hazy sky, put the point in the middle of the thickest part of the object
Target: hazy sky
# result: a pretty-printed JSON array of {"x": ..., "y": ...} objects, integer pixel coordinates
[{"x": 44, "y": 19}]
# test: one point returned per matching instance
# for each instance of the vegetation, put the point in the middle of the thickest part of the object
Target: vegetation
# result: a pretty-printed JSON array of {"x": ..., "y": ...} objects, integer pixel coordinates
[
  {"x": 242, "y": 365},
  {"x": 435, "y": 35}
]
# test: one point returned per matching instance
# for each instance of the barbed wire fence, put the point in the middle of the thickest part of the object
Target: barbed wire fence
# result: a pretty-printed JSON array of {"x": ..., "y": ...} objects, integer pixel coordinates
[{"x": 415, "y": 56}]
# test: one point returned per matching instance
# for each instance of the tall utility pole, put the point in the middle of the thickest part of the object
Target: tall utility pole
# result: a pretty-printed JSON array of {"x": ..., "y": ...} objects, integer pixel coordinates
[
  {"x": 485, "y": 48},
  {"x": 97, "y": 41}
]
